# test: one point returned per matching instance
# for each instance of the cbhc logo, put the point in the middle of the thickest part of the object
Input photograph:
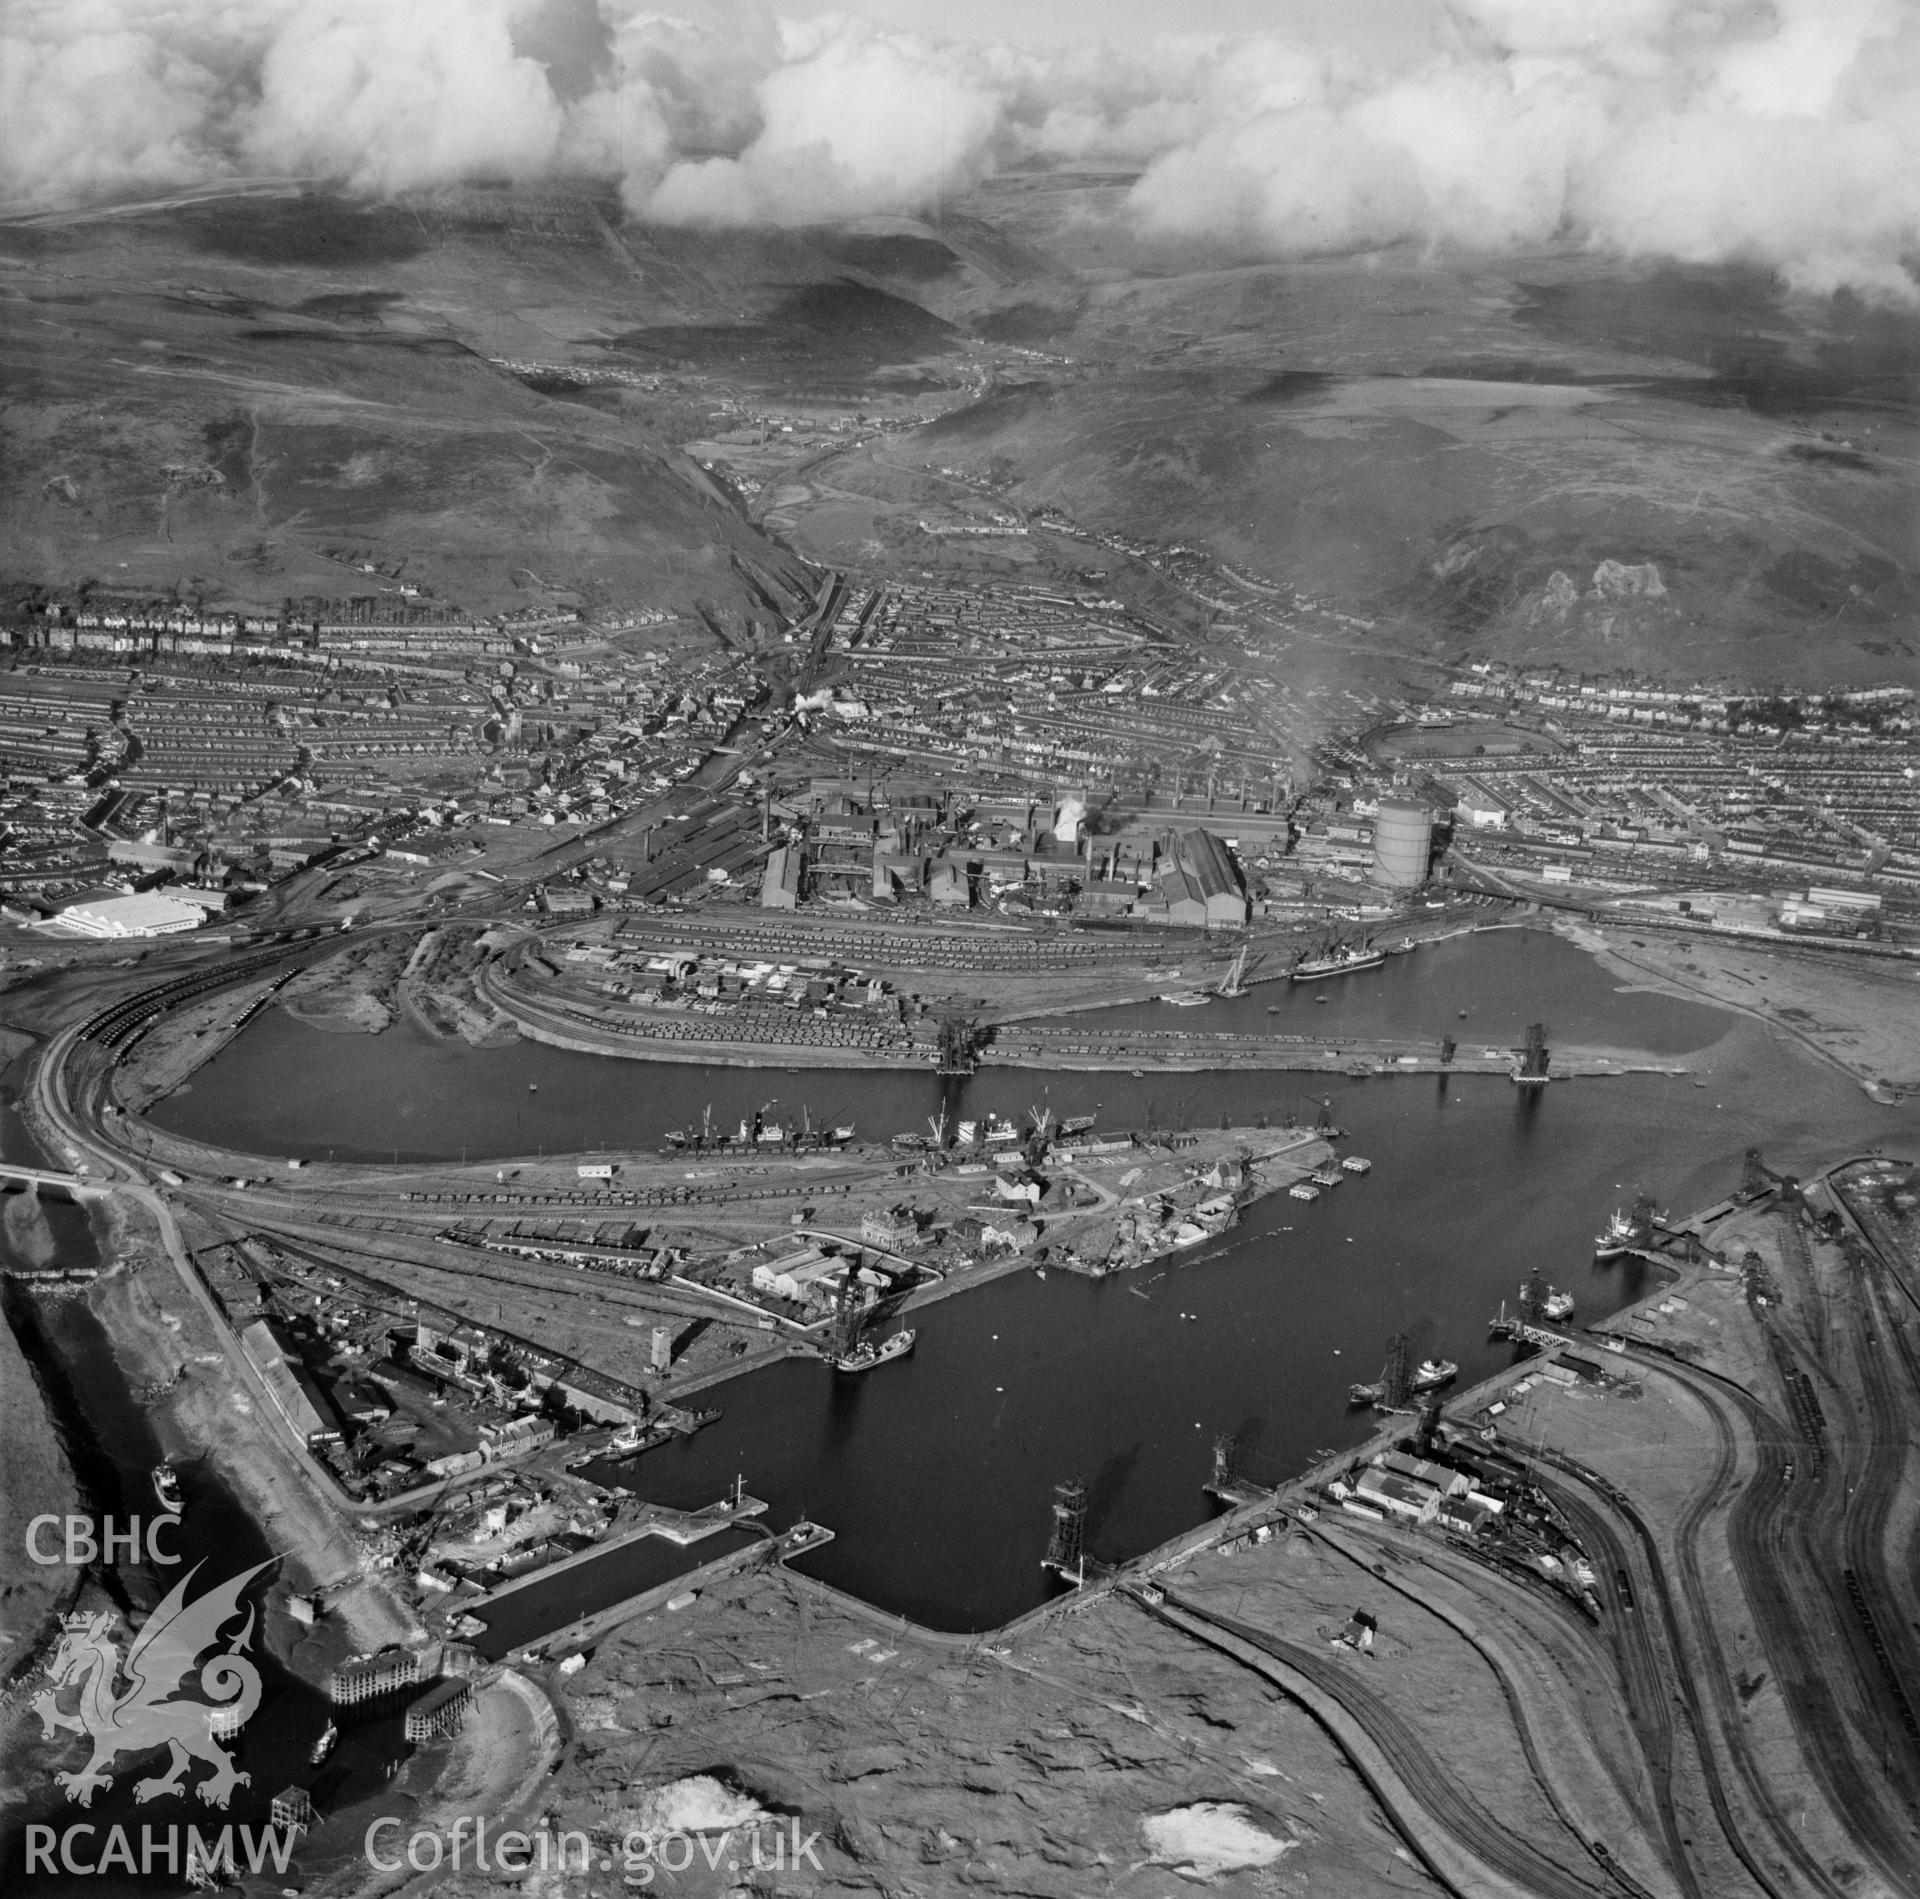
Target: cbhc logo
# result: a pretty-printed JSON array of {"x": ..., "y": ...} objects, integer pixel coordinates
[{"x": 77, "y": 1543}]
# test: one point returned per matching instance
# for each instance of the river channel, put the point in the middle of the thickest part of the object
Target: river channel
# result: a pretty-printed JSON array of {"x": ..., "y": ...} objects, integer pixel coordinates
[
  {"x": 936, "y": 1472},
  {"x": 112, "y": 1444}
]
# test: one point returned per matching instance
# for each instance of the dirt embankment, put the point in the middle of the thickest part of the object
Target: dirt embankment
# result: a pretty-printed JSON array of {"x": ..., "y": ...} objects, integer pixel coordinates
[
  {"x": 38, "y": 1480},
  {"x": 167, "y": 1350},
  {"x": 428, "y": 981},
  {"x": 438, "y": 990},
  {"x": 351, "y": 994}
]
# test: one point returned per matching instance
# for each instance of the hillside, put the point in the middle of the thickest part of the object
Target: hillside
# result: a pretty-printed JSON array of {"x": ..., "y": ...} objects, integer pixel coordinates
[{"x": 1551, "y": 458}]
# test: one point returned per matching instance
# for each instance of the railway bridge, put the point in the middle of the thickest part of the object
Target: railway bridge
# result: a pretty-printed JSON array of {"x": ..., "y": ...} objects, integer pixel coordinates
[{"x": 43, "y": 1180}]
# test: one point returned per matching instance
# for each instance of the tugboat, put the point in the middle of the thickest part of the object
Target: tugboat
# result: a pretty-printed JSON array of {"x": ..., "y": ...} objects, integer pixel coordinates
[
  {"x": 1432, "y": 1372},
  {"x": 323, "y": 1746},
  {"x": 1615, "y": 1238},
  {"x": 1538, "y": 1300},
  {"x": 166, "y": 1486}
]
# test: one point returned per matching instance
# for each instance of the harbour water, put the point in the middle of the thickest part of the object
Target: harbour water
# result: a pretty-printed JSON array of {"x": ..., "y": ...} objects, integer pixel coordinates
[
  {"x": 936, "y": 1472},
  {"x": 284, "y": 1088},
  {"x": 1482, "y": 988},
  {"x": 548, "y": 1603}
]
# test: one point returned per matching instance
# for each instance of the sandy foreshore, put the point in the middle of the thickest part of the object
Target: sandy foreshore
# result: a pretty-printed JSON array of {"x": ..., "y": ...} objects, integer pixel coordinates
[{"x": 1862, "y": 1018}]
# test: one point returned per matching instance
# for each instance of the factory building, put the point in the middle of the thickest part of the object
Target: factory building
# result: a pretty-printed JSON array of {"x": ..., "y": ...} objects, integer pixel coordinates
[
  {"x": 1196, "y": 882},
  {"x": 109, "y": 915},
  {"x": 780, "y": 881},
  {"x": 1402, "y": 843},
  {"x": 290, "y": 1385}
]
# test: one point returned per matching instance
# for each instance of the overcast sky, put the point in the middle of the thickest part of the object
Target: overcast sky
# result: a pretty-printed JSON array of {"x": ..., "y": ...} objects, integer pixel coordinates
[{"x": 1389, "y": 25}]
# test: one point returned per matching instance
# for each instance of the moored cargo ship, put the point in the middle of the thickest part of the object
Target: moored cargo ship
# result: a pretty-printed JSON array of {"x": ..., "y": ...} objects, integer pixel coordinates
[{"x": 1340, "y": 962}]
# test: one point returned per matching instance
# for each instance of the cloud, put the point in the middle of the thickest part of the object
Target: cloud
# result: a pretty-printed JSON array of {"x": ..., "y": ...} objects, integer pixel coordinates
[
  {"x": 850, "y": 122},
  {"x": 388, "y": 94},
  {"x": 1784, "y": 132}
]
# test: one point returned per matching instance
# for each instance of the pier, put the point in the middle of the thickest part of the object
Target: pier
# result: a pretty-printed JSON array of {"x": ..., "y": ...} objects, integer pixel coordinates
[
  {"x": 684, "y": 1527},
  {"x": 677, "y": 1591}
]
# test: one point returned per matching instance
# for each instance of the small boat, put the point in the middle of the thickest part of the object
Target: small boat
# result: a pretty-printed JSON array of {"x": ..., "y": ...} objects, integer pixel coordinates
[
  {"x": 1077, "y": 1123},
  {"x": 1434, "y": 1371},
  {"x": 1188, "y": 1001},
  {"x": 323, "y": 1746},
  {"x": 533, "y": 1087},
  {"x": 1557, "y": 1305},
  {"x": 1615, "y": 1238},
  {"x": 867, "y": 1354},
  {"x": 913, "y": 1143},
  {"x": 842, "y": 1135},
  {"x": 1403, "y": 947},
  {"x": 1374, "y": 1393},
  {"x": 166, "y": 1486}
]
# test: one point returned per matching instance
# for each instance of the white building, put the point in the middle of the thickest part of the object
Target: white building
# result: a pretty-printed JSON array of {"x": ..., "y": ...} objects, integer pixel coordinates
[{"x": 152, "y": 913}]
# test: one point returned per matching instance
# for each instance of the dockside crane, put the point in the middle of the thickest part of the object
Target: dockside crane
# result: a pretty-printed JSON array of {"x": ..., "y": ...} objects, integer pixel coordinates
[{"x": 1067, "y": 1548}]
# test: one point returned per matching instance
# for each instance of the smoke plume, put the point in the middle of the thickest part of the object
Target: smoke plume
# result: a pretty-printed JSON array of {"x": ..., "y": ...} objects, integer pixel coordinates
[{"x": 1783, "y": 132}]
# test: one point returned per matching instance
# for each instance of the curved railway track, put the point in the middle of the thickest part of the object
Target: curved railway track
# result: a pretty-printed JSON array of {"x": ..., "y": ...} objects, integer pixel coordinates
[
  {"x": 1438, "y": 1792},
  {"x": 1773, "y": 1538},
  {"x": 1661, "y": 1679},
  {"x": 1516, "y": 1707}
]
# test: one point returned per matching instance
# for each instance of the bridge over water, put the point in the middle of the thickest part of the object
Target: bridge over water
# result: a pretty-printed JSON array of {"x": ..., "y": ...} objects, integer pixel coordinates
[{"x": 54, "y": 1186}]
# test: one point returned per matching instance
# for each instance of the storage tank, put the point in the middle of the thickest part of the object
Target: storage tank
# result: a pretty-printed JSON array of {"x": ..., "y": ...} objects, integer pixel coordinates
[{"x": 1402, "y": 843}]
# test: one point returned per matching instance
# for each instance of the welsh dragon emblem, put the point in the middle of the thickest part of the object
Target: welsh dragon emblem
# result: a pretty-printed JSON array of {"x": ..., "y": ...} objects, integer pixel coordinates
[{"x": 147, "y": 1712}]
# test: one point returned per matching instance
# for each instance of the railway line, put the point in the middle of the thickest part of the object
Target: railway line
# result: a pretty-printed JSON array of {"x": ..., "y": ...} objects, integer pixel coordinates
[
  {"x": 1449, "y": 1565},
  {"x": 1438, "y": 1792},
  {"x": 1652, "y": 1644},
  {"x": 1775, "y": 1537}
]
